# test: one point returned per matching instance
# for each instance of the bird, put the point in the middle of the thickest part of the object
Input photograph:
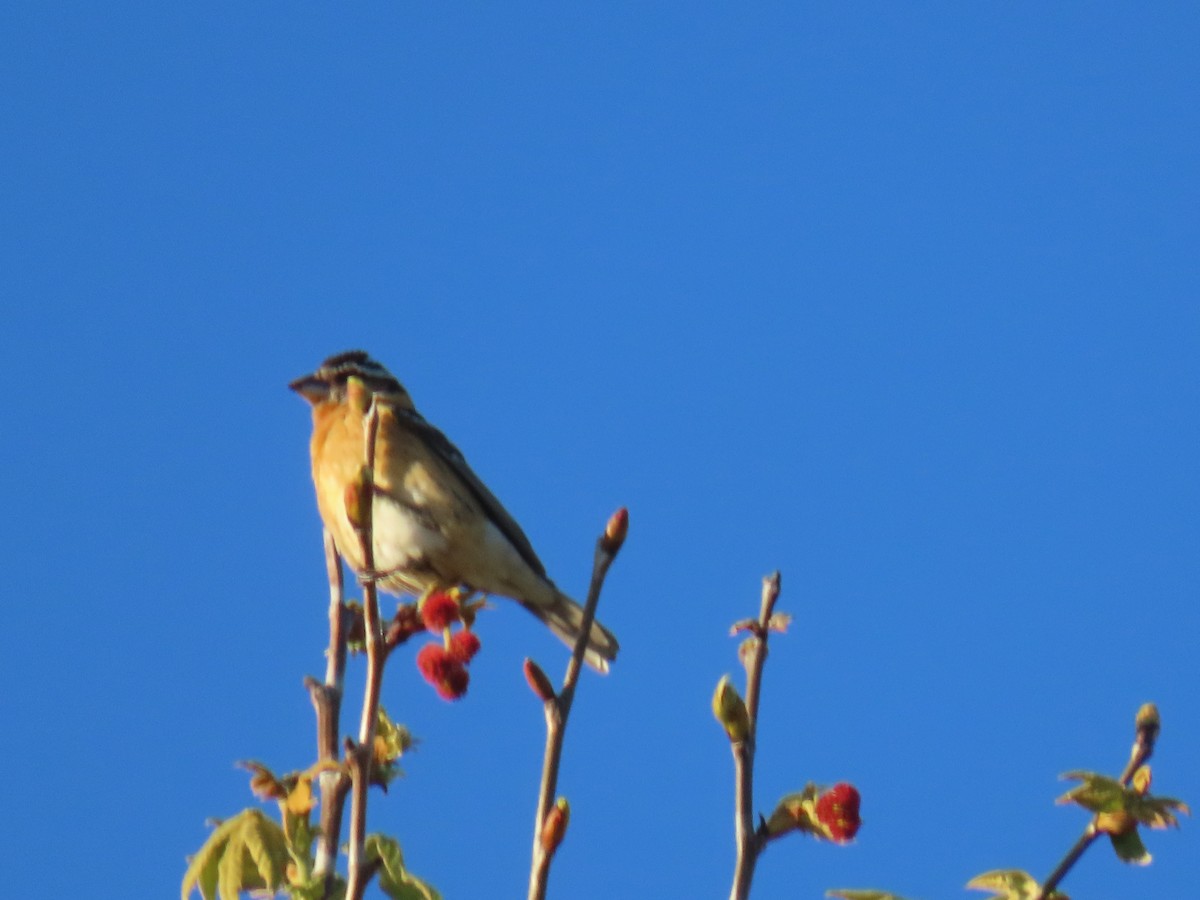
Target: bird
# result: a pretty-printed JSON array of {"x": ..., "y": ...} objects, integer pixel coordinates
[{"x": 435, "y": 524}]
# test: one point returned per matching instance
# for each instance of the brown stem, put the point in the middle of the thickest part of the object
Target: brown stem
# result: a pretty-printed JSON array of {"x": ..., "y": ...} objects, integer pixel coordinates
[
  {"x": 557, "y": 710},
  {"x": 1143, "y": 747},
  {"x": 748, "y": 840},
  {"x": 359, "y": 757},
  {"x": 327, "y": 700}
]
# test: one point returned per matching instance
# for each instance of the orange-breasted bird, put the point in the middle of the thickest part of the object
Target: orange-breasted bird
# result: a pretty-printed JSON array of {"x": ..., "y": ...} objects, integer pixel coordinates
[{"x": 435, "y": 524}]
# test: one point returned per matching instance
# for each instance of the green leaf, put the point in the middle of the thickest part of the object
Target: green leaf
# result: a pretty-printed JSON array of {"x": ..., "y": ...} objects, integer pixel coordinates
[
  {"x": 247, "y": 852},
  {"x": 795, "y": 811},
  {"x": 202, "y": 868},
  {"x": 392, "y": 741},
  {"x": 1006, "y": 884},
  {"x": 314, "y": 889},
  {"x": 1129, "y": 848},
  {"x": 1097, "y": 793},
  {"x": 265, "y": 849},
  {"x": 229, "y": 871},
  {"x": 852, "y": 894},
  {"x": 1101, "y": 795},
  {"x": 300, "y": 835},
  {"x": 394, "y": 879},
  {"x": 1157, "y": 812}
]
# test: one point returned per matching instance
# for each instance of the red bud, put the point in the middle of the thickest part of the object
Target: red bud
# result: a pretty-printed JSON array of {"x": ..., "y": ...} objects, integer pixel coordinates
[
  {"x": 538, "y": 682},
  {"x": 554, "y": 829},
  {"x": 615, "y": 531}
]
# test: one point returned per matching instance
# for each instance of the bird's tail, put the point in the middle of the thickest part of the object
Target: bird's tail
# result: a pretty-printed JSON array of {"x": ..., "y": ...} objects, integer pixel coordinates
[{"x": 564, "y": 617}]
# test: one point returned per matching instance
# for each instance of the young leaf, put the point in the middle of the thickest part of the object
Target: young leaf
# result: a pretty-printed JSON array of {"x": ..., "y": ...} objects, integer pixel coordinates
[
  {"x": 743, "y": 625},
  {"x": 314, "y": 889},
  {"x": 202, "y": 869},
  {"x": 1103, "y": 795},
  {"x": 1006, "y": 884},
  {"x": 1157, "y": 812},
  {"x": 779, "y": 622},
  {"x": 1129, "y": 848},
  {"x": 1097, "y": 793},
  {"x": 263, "y": 782},
  {"x": 394, "y": 880},
  {"x": 300, "y": 834},
  {"x": 300, "y": 799},
  {"x": 852, "y": 894},
  {"x": 247, "y": 852},
  {"x": 392, "y": 741},
  {"x": 265, "y": 848}
]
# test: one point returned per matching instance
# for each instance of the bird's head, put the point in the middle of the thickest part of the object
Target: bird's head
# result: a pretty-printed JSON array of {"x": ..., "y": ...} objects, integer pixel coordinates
[{"x": 328, "y": 382}]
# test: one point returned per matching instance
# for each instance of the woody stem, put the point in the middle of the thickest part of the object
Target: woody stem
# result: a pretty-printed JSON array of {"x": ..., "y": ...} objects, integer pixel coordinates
[
  {"x": 557, "y": 709},
  {"x": 327, "y": 700},
  {"x": 359, "y": 757},
  {"x": 747, "y": 839}
]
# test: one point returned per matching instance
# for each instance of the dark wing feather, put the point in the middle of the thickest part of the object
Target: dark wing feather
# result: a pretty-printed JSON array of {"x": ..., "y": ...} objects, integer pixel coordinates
[{"x": 415, "y": 422}]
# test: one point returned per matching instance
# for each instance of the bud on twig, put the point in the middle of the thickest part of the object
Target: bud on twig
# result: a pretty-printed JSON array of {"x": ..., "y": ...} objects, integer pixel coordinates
[
  {"x": 787, "y": 816},
  {"x": 615, "y": 531},
  {"x": 1115, "y": 823},
  {"x": 1148, "y": 724},
  {"x": 1141, "y": 780},
  {"x": 404, "y": 625},
  {"x": 538, "y": 682},
  {"x": 555, "y": 827},
  {"x": 730, "y": 710}
]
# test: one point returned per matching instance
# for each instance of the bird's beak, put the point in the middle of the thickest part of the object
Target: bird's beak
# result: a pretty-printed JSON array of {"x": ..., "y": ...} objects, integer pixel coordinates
[{"x": 311, "y": 388}]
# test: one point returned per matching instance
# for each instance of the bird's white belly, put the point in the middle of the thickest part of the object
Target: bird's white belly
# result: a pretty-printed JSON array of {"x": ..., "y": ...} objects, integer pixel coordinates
[{"x": 400, "y": 537}]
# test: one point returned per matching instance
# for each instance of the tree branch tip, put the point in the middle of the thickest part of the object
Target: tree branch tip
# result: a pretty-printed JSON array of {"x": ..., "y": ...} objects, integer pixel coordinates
[
  {"x": 772, "y": 583},
  {"x": 1148, "y": 723},
  {"x": 615, "y": 531}
]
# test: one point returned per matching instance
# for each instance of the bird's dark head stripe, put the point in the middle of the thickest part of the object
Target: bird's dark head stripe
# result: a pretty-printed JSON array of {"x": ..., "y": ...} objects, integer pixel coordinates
[{"x": 341, "y": 366}]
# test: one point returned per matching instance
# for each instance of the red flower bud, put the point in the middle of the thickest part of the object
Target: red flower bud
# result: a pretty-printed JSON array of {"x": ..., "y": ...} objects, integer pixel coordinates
[
  {"x": 448, "y": 676},
  {"x": 837, "y": 811},
  {"x": 455, "y": 683},
  {"x": 433, "y": 663},
  {"x": 438, "y": 611},
  {"x": 463, "y": 646}
]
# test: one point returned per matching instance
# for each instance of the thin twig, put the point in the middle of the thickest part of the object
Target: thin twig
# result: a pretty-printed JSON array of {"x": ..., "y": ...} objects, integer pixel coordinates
[
  {"x": 1143, "y": 747},
  {"x": 359, "y": 756},
  {"x": 557, "y": 709},
  {"x": 327, "y": 700},
  {"x": 749, "y": 840}
]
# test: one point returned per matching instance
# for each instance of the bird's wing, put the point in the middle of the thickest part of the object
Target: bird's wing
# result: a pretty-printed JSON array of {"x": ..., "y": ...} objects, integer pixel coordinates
[{"x": 448, "y": 453}]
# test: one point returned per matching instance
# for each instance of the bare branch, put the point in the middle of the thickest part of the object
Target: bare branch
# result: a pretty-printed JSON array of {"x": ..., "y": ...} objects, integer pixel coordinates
[
  {"x": 327, "y": 700},
  {"x": 750, "y": 840},
  {"x": 359, "y": 756},
  {"x": 558, "y": 707}
]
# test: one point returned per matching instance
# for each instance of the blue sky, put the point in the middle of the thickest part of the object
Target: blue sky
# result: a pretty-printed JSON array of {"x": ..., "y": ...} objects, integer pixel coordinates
[{"x": 900, "y": 299}]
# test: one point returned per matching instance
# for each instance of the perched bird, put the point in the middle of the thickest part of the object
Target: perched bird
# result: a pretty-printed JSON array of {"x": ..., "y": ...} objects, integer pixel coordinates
[{"x": 435, "y": 524}]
